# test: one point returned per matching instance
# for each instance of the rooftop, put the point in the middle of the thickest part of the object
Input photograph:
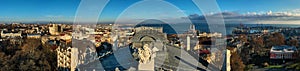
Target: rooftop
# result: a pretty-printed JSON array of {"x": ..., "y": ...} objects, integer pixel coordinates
[{"x": 283, "y": 48}]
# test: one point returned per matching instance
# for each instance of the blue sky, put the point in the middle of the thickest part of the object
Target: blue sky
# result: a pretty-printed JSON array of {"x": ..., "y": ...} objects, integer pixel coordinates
[{"x": 65, "y": 10}]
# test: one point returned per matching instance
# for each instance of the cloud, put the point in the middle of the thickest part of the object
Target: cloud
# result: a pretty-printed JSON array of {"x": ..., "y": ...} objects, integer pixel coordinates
[
  {"x": 269, "y": 17},
  {"x": 181, "y": 11}
]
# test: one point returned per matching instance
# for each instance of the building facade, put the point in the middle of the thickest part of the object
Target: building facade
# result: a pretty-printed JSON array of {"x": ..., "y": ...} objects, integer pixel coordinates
[
  {"x": 67, "y": 58},
  {"x": 283, "y": 52}
]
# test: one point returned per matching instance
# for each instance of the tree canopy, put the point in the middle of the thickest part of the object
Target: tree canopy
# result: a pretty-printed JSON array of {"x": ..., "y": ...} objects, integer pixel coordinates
[{"x": 31, "y": 57}]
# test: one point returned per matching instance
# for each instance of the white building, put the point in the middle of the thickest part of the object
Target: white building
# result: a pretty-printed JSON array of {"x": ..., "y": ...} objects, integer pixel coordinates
[
  {"x": 159, "y": 29},
  {"x": 11, "y": 34},
  {"x": 210, "y": 34},
  {"x": 67, "y": 58},
  {"x": 188, "y": 43},
  {"x": 283, "y": 52},
  {"x": 33, "y": 36}
]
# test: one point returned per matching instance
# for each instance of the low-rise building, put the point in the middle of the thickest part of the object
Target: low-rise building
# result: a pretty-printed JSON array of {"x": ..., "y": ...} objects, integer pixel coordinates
[
  {"x": 33, "y": 36},
  {"x": 283, "y": 52},
  {"x": 11, "y": 34},
  {"x": 204, "y": 34}
]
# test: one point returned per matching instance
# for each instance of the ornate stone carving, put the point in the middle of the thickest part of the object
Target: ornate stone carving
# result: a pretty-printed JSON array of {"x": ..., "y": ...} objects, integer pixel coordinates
[{"x": 144, "y": 54}]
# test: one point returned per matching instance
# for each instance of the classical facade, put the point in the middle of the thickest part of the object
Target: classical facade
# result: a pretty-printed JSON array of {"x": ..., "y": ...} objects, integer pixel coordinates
[
  {"x": 70, "y": 55},
  {"x": 148, "y": 35},
  {"x": 147, "y": 41},
  {"x": 67, "y": 58}
]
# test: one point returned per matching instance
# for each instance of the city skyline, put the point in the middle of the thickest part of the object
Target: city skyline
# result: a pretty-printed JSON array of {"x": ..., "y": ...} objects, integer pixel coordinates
[
  {"x": 245, "y": 11},
  {"x": 149, "y": 35}
]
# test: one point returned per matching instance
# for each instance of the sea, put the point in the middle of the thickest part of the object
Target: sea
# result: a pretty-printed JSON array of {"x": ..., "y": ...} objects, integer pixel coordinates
[{"x": 203, "y": 27}]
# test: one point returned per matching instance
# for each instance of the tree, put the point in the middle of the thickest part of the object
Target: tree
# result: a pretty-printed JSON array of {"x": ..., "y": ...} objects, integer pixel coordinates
[
  {"x": 236, "y": 62},
  {"x": 243, "y": 38},
  {"x": 294, "y": 66},
  {"x": 293, "y": 42},
  {"x": 279, "y": 38},
  {"x": 31, "y": 44},
  {"x": 275, "y": 39},
  {"x": 257, "y": 44},
  {"x": 31, "y": 57},
  {"x": 245, "y": 55}
]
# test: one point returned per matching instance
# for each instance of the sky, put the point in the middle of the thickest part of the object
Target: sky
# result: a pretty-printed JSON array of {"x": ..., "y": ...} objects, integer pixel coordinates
[{"x": 233, "y": 11}]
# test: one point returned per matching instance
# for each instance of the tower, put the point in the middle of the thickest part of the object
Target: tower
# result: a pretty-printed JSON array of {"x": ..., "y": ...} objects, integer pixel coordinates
[
  {"x": 188, "y": 43},
  {"x": 192, "y": 27}
]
